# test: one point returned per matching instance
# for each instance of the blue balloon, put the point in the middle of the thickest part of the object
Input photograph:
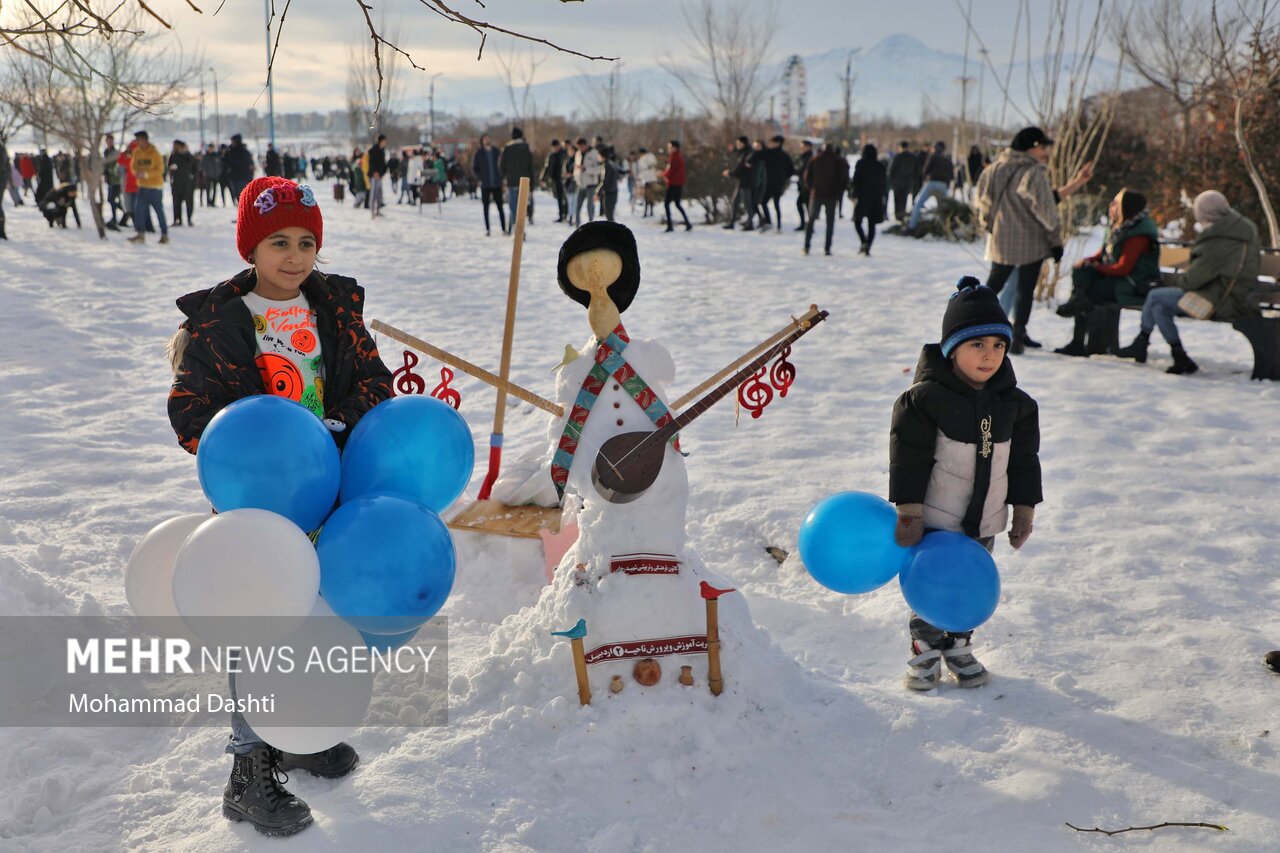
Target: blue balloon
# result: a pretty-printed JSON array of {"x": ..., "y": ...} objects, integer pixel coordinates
[
  {"x": 846, "y": 542},
  {"x": 951, "y": 582},
  {"x": 413, "y": 446},
  {"x": 388, "y": 642},
  {"x": 268, "y": 452},
  {"x": 386, "y": 563}
]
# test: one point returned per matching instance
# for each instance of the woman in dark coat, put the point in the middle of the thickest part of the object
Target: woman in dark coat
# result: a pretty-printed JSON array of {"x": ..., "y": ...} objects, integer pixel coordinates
[{"x": 869, "y": 191}]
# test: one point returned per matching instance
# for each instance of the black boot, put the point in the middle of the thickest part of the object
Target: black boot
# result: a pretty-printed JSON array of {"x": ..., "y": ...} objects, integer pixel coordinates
[
  {"x": 1075, "y": 306},
  {"x": 1136, "y": 350},
  {"x": 334, "y": 763},
  {"x": 1077, "y": 347},
  {"x": 1272, "y": 660},
  {"x": 1019, "y": 343},
  {"x": 1182, "y": 362},
  {"x": 254, "y": 793}
]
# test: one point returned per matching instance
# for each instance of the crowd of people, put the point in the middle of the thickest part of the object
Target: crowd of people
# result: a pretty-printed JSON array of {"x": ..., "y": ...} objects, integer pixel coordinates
[{"x": 1013, "y": 199}]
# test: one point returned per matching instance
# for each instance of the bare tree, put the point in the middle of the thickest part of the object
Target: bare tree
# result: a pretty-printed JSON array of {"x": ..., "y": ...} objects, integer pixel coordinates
[
  {"x": 728, "y": 46},
  {"x": 75, "y": 90},
  {"x": 518, "y": 68},
  {"x": 611, "y": 102},
  {"x": 1064, "y": 98},
  {"x": 1168, "y": 44},
  {"x": 373, "y": 85},
  {"x": 1240, "y": 68}
]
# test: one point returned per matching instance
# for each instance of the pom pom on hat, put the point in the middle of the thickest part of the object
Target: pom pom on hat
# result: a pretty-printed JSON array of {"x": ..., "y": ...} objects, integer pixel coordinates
[
  {"x": 602, "y": 235},
  {"x": 973, "y": 312},
  {"x": 270, "y": 204}
]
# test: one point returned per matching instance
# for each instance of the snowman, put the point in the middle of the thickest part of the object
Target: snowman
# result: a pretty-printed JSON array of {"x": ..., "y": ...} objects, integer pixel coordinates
[{"x": 629, "y": 575}]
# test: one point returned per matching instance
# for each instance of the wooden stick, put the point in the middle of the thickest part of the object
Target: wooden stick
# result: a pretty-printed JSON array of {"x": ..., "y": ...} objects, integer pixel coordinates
[
  {"x": 579, "y": 656},
  {"x": 714, "y": 678},
  {"x": 466, "y": 367},
  {"x": 1168, "y": 823},
  {"x": 738, "y": 362},
  {"x": 513, "y": 286}
]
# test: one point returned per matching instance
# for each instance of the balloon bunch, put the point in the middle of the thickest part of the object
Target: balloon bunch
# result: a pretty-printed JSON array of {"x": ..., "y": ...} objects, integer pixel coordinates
[
  {"x": 847, "y": 544},
  {"x": 383, "y": 560}
]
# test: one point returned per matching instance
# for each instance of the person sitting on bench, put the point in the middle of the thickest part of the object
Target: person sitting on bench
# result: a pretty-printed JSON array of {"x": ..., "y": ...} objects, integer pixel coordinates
[
  {"x": 1223, "y": 269},
  {"x": 1123, "y": 272}
]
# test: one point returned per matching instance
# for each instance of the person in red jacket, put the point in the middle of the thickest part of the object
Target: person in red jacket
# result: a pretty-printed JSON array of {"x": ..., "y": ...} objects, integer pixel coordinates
[
  {"x": 27, "y": 169},
  {"x": 674, "y": 175},
  {"x": 130, "y": 183}
]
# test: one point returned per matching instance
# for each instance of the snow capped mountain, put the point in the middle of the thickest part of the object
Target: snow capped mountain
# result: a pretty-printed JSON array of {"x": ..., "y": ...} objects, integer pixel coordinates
[{"x": 899, "y": 76}]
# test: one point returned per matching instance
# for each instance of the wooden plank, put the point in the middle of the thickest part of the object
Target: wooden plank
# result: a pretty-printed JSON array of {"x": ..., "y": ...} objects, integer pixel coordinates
[
  {"x": 1175, "y": 257},
  {"x": 523, "y": 522},
  {"x": 1269, "y": 265},
  {"x": 466, "y": 367}
]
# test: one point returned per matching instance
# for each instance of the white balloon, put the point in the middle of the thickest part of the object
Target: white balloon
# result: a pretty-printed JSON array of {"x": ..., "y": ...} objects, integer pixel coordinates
[
  {"x": 246, "y": 576},
  {"x": 312, "y": 709},
  {"x": 148, "y": 576}
]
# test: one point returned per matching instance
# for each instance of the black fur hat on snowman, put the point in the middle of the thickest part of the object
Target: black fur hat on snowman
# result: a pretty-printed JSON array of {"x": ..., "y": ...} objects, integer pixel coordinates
[{"x": 602, "y": 235}]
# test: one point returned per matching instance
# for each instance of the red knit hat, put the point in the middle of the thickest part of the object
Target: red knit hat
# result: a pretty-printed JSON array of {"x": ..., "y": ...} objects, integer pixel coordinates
[{"x": 269, "y": 204}]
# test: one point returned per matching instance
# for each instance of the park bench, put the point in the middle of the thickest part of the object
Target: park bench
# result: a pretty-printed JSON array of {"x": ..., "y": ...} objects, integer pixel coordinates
[{"x": 1262, "y": 331}]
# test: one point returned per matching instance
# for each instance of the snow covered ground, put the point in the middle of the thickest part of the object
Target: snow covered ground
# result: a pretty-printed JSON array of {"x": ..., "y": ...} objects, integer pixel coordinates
[{"x": 1128, "y": 687}]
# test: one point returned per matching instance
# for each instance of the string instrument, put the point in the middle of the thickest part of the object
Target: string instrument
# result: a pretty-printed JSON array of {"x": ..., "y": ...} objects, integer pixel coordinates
[{"x": 629, "y": 463}]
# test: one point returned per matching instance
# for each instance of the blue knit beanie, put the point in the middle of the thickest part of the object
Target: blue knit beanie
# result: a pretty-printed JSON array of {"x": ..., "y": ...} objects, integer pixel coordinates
[{"x": 973, "y": 312}]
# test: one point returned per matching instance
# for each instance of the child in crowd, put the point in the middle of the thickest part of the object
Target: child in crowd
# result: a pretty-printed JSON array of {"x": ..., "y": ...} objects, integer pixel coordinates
[
  {"x": 279, "y": 327},
  {"x": 963, "y": 446}
]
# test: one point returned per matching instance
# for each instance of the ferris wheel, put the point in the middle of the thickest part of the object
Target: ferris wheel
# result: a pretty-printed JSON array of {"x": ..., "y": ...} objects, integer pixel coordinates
[{"x": 793, "y": 92}]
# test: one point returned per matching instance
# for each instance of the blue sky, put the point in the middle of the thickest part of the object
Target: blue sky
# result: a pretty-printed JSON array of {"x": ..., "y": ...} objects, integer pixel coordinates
[{"x": 311, "y": 69}]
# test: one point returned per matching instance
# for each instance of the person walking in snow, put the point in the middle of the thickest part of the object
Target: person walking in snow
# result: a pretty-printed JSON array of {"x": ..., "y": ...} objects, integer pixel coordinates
[
  {"x": 553, "y": 175},
  {"x": 963, "y": 446},
  {"x": 938, "y": 172},
  {"x": 826, "y": 177},
  {"x": 488, "y": 172},
  {"x": 675, "y": 177},
  {"x": 742, "y": 168},
  {"x": 228, "y": 348},
  {"x": 147, "y": 165},
  {"x": 869, "y": 196},
  {"x": 516, "y": 162},
  {"x": 1017, "y": 205},
  {"x": 902, "y": 177},
  {"x": 802, "y": 189}
]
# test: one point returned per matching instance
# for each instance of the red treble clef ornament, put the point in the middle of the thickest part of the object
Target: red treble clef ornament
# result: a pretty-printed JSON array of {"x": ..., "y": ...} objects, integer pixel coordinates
[
  {"x": 783, "y": 373},
  {"x": 755, "y": 393},
  {"x": 406, "y": 381},
  {"x": 443, "y": 392}
]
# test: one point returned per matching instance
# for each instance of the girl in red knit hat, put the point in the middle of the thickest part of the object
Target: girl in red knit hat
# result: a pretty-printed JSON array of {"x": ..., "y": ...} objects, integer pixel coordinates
[{"x": 280, "y": 327}]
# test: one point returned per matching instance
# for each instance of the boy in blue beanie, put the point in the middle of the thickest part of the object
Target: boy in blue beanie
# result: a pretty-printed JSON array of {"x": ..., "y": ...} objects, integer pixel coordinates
[{"x": 963, "y": 447}]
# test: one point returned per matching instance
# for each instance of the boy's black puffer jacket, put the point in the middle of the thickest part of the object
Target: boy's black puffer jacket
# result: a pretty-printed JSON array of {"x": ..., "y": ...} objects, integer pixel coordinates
[{"x": 966, "y": 454}]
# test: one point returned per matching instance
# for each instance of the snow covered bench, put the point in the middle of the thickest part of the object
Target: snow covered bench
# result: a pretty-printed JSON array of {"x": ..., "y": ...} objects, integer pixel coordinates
[{"x": 1262, "y": 332}]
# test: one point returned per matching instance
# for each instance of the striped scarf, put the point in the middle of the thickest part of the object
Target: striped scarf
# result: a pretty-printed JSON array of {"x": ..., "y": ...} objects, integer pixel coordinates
[{"x": 609, "y": 362}]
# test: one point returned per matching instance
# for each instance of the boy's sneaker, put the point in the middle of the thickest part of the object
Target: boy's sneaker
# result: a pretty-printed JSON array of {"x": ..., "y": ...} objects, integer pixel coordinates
[
  {"x": 255, "y": 793},
  {"x": 924, "y": 671},
  {"x": 334, "y": 763},
  {"x": 963, "y": 665}
]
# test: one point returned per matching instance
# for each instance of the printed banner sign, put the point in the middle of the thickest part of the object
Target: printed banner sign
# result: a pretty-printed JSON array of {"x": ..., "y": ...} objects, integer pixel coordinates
[
  {"x": 692, "y": 645},
  {"x": 645, "y": 564}
]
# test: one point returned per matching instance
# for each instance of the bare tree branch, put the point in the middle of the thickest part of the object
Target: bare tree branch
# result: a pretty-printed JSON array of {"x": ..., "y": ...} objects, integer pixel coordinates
[{"x": 1153, "y": 826}]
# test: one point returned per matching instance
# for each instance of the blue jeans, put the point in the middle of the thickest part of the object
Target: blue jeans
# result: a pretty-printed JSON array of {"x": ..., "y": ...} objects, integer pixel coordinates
[
  {"x": 243, "y": 737},
  {"x": 1160, "y": 309},
  {"x": 146, "y": 200},
  {"x": 1009, "y": 295},
  {"x": 513, "y": 201},
  {"x": 928, "y": 191},
  {"x": 587, "y": 194}
]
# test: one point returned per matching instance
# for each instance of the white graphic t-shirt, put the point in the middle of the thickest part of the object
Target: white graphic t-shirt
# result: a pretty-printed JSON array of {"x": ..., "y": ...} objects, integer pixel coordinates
[{"x": 289, "y": 354}]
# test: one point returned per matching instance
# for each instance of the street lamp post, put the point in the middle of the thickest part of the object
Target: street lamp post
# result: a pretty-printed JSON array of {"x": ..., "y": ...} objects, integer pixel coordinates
[
  {"x": 217, "y": 119},
  {"x": 431, "y": 109},
  {"x": 202, "y": 110},
  {"x": 271, "y": 98}
]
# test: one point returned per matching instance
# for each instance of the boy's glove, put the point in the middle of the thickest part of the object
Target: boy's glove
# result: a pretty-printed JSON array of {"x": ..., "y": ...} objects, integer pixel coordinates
[
  {"x": 1020, "y": 530},
  {"x": 910, "y": 529}
]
